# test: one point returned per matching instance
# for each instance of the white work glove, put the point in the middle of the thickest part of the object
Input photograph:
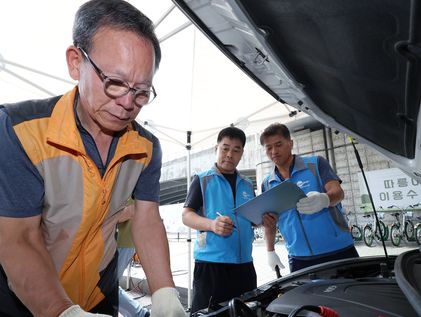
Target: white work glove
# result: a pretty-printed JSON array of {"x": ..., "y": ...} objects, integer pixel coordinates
[
  {"x": 76, "y": 311},
  {"x": 165, "y": 303},
  {"x": 273, "y": 260},
  {"x": 313, "y": 203}
]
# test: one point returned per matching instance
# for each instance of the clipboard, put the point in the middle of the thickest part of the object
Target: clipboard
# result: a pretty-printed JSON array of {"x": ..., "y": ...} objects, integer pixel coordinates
[{"x": 277, "y": 199}]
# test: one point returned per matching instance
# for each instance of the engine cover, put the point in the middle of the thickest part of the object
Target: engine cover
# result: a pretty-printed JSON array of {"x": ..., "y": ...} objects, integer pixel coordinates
[{"x": 348, "y": 297}]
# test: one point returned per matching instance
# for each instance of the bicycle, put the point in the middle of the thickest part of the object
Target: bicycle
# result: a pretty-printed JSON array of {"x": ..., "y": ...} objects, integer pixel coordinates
[
  {"x": 399, "y": 232},
  {"x": 371, "y": 230},
  {"x": 356, "y": 231},
  {"x": 418, "y": 232}
]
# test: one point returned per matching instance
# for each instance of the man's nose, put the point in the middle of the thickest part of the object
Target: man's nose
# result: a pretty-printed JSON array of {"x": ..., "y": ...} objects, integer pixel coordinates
[
  {"x": 273, "y": 151},
  {"x": 230, "y": 153},
  {"x": 127, "y": 101}
]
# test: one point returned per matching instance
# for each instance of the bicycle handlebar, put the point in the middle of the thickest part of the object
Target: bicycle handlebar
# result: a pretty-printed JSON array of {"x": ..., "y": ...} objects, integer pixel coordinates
[{"x": 404, "y": 209}]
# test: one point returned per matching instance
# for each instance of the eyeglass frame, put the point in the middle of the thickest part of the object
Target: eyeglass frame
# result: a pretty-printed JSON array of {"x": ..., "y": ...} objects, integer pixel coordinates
[{"x": 104, "y": 78}]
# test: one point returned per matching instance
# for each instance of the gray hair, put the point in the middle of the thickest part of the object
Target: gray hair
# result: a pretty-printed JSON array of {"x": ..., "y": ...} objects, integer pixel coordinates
[{"x": 117, "y": 14}]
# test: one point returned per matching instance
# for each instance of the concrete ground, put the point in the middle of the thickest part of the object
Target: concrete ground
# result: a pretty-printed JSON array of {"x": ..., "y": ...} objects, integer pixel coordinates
[{"x": 179, "y": 249}]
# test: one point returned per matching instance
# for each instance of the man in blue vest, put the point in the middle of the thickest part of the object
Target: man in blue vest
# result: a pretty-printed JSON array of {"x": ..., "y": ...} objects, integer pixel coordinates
[
  {"x": 222, "y": 252},
  {"x": 316, "y": 230}
]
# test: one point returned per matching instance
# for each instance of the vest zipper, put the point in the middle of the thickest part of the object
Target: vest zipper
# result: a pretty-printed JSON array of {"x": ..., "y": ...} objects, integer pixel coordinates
[
  {"x": 298, "y": 213},
  {"x": 239, "y": 234},
  {"x": 82, "y": 274},
  {"x": 237, "y": 224}
]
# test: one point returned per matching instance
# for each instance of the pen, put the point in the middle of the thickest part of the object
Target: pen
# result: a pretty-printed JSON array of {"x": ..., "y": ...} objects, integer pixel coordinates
[{"x": 220, "y": 215}]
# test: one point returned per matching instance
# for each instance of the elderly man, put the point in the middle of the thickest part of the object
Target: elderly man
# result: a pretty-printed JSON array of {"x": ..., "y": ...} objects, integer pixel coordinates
[{"x": 69, "y": 165}]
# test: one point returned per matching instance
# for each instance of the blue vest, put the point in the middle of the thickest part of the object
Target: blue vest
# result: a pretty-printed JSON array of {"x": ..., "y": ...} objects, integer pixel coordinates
[
  {"x": 325, "y": 231},
  {"x": 218, "y": 197}
]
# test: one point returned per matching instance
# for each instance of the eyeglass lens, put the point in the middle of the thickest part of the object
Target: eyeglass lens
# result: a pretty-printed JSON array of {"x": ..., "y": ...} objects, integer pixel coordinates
[{"x": 117, "y": 88}]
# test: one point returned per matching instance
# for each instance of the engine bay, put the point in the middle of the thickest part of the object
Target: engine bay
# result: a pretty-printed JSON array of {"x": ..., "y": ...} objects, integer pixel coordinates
[{"x": 353, "y": 287}]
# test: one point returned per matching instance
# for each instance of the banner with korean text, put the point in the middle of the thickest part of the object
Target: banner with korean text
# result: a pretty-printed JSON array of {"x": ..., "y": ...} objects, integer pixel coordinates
[{"x": 390, "y": 187}]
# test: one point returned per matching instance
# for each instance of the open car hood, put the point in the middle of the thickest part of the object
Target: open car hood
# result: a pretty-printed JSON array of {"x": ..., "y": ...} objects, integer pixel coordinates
[{"x": 355, "y": 66}]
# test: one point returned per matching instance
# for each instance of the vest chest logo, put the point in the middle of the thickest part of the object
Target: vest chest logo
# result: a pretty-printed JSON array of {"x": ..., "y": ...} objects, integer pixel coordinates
[
  {"x": 303, "y": 184},
  {"x": 246, "y": 196}
]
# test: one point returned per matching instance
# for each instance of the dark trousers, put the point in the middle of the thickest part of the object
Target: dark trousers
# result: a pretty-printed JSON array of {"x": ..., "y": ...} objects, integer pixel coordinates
[
  {"x": 218, "y": 282},
  {"x": 108, "y": 305},
  {"x": 296, "y": 263}
]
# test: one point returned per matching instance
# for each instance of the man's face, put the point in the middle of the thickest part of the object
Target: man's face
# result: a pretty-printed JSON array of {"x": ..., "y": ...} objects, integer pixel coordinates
[
  {"x": 278, "y": 149},
  {"x": 228, "y": 153},
  {"x": 118, "y": 54}
]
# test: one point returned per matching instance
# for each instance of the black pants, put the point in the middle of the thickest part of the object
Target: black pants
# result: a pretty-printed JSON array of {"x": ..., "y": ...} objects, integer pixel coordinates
[
  {"x": 218, "y": 282},
  {"x": 296, "y": 264},
  {"x": 108, "y": 306}
]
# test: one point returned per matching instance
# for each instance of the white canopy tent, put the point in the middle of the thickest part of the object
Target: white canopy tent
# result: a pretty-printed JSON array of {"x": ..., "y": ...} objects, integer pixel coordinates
[{"x": 199, "y": 90}]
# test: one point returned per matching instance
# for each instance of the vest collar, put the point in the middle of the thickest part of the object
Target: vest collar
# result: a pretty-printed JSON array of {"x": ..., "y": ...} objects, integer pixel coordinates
[
  {"x": 216, "y": 171},
  {"x": 62, "y": 129},
  {"x": 298, "y": 166}
]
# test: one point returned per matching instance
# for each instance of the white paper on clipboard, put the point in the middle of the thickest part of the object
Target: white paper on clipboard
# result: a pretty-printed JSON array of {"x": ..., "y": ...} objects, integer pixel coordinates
[{"x": 277, "y": 199}]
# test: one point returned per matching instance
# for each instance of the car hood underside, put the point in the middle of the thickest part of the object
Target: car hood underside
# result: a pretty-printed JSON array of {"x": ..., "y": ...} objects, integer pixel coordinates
[{"x": 353, "y": 65}]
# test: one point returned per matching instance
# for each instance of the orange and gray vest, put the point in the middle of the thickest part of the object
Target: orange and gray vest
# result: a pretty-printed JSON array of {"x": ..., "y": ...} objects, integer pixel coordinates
[{"x": 80, "y": 209}]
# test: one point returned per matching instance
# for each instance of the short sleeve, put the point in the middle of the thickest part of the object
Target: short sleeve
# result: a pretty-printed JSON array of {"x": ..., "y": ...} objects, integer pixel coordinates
[
  {"x": 194, "y": 199},
  {"x": 147, "y": 187},
  {"x": 326, "y": 172},
  {"x": 21, "y": 185}
]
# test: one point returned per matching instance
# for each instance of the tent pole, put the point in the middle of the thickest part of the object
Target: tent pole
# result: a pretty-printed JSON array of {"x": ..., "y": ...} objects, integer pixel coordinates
[
  {"x": 33, "y": 70},
  {"x": 164, "y": 16},
  {"x": 188, "y": 147}
]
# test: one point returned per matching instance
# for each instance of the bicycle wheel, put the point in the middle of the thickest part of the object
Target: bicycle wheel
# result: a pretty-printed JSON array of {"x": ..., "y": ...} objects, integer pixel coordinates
[
  {"x": 409, "y": 230},
  {"x": 418, "y": 234},
  {"x": 356, "y": 233},
  {"x": 395, "y": 235},
  {"x": 384, "y": 231},
  {"x": 368, "y": 235}
]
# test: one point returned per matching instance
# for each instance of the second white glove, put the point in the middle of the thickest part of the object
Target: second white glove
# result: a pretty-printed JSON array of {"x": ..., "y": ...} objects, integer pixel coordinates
[
  {"x": 313, "y": 203},
  {"x": 273, "y": 260},
  {"x": 165, "y": 303},
  {"x": 76, "y": 311}
]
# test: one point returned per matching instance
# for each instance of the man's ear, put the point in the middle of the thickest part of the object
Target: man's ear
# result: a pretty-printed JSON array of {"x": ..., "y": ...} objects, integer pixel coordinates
[{"x": 74, "y": 58}]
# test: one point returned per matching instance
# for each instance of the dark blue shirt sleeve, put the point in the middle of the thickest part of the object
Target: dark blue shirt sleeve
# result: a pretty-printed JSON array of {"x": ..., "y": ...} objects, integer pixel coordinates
[
  {"x": 194, "y": 199},
  {"x": 147, "y": 187},
  {"x": 326, "y": 172},
  {"x": 21, "y": 185}
]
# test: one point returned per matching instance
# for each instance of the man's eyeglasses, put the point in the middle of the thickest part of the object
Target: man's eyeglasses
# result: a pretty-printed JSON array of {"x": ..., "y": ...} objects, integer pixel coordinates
[{"x": 115, "y": 87}]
